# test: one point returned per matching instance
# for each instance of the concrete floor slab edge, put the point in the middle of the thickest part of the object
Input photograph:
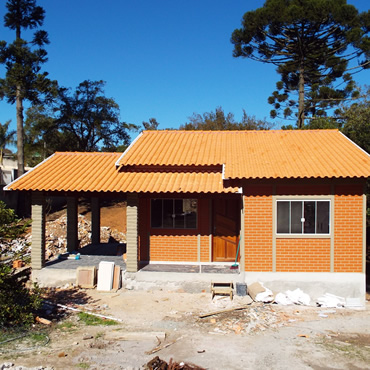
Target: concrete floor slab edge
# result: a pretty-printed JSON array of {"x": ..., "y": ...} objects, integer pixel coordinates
[{"x": 316, "y": 284}]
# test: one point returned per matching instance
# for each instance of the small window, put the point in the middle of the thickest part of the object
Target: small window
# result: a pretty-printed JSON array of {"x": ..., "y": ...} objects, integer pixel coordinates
[
  {"x": 303, "y": 217},
  {"x": 174, "y": 213}
]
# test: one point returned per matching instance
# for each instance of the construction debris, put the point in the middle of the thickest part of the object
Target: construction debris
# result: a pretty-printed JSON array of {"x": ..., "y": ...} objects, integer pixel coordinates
[
  {"x": 41, "y": 320},
  {"x": 157, "y": 364},
  {"x": 331, "y": 300},
  {"x": 56, "y": 237},
  {"x": 90, "y": 313},
  {"x": 226, "y": 310},
  {"x": 161, "y": 346},
  {"x": 259, "y": 293},
  {"x": 293, "y": 297},
  {"x": 243, "y": 319}
]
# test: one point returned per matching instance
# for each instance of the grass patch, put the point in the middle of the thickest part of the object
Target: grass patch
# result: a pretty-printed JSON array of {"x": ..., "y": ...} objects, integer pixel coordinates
[
  {"x": 348, "y": 350},
  {"x": 67, "y": 326},
  {"x": 99, "y": 335},
  {"x": 83, "y": 365},
  {"x": 16, "y": 341},
  {"x": 91, "y": 320}
]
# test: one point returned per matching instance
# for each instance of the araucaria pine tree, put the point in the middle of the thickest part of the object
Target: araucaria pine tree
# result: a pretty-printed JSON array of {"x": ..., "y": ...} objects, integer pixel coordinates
[
  {"x": 316, "y": 45},
  {"x": 23, "y": 60}
]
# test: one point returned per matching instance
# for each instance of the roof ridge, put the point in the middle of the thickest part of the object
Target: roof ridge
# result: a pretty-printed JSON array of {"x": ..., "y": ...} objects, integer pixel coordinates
[
  {"x": 152, "y": 132},
  {"x": 86, "y": 153}
]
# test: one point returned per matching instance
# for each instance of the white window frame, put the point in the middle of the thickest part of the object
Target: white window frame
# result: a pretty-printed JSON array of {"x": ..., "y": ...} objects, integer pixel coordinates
[{"x": 303, "y": 199}]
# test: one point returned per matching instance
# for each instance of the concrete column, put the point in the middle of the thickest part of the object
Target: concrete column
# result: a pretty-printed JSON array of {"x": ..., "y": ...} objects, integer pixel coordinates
[
  {"x": 132, "y": 232},
  {"x": 95, "y": 220},
  {"x": 38, "y": 231},
  {"x": 72, "y": 224}
]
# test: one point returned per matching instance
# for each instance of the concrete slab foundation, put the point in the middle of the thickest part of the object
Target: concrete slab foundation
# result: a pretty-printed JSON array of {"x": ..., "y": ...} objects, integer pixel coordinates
[{"x": 347, "y": 285}]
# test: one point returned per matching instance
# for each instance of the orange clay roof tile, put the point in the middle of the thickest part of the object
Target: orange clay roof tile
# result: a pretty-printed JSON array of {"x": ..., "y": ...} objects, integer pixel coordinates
[
  {"x": 90, "y": 172},
  {"x": 253, "y": 154},
  {"x": 198, "y": 161}
]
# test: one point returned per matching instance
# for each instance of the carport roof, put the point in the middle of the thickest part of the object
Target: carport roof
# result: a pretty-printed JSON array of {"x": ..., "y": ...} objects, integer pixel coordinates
[{"x": 97, "y": 172}]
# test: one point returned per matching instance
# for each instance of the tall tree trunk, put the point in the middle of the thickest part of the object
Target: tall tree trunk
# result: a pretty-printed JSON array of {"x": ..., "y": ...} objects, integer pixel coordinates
[
  {"x": 20, "y": 152},
  {"x": 301, "y": 97},
  {"x": 19, "y": 109}
]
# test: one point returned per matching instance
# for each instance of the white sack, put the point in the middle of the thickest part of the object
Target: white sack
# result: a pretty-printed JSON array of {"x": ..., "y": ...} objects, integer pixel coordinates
[
  {"x": 331, "y": 300},
  {"x": 266, "y": 296}
]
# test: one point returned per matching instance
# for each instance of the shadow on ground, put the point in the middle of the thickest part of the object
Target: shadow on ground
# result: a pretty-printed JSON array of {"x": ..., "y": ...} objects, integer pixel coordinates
[{"x": 54, "y": 300}]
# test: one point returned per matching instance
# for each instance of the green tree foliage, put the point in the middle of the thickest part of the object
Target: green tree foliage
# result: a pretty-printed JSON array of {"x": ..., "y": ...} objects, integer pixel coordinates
[
  {"x": 89, "y": 119},
  {"x": 17, "y": 302},
  {"x": 23, "y": 60},
  {"x": 42, "y": 136},
  {"x": 219, "y": 121},
  {"x": 355, "y": 120},
  {"x": 6, "y": 138},
  {"x": 85, "y": 120},
  {"x": 151, "y": 125},
  {"x": 312, "y": 43},
  {"x": 10, "y": 226}
]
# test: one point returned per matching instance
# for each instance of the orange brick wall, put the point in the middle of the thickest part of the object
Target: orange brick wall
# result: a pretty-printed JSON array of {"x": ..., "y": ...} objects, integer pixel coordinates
[
  {"x": 258, "y": 228},
  {"x": 348, "y": 229},
  {"x": 173, "y": 245},
  {"x": 303, "y": 255},
  {"x": 299, "y": 255}
]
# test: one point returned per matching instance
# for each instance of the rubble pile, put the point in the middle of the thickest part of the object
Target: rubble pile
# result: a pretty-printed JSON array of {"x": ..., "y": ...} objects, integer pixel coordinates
[
  {"x": 56, "y": 237},
  {"x": 256, "y": 318},
  {"x": 13, "y": 247},
  {"x": 158, "y": 364}
]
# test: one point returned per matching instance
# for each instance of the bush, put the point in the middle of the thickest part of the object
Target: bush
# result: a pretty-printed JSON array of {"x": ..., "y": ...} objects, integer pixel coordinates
[
  {"x": 17, "y": 303},
  {"x": 10, "y": 226}
]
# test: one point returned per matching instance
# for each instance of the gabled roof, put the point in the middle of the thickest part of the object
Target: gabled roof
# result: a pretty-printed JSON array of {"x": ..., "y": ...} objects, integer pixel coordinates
[
  {"x": 200, "y": 161},
  {"x": 253, "y": 154}
]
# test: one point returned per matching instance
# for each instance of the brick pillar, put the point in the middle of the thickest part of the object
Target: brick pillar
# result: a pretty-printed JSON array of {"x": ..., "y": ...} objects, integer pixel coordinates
[
  {"x": 72, "y": 224},
  {"x": 132, "y": 232},
  {"x": 95, "y": 220},
  {"x": 38, "y": 231}
]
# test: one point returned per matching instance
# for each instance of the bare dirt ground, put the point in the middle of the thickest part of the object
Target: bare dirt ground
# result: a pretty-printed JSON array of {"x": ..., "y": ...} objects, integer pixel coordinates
[
  {"x": 112, "y": 214},
  {"x": 166, "y": 318},
  {"x": 260, "y": 336}
]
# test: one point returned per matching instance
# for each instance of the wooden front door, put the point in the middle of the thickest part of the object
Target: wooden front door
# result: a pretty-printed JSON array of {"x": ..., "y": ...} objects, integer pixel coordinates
[{"x": 226, "y": 226}]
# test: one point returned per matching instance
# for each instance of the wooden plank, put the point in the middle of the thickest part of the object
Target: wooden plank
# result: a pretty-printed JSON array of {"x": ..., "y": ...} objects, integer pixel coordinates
[
  {"x": 226, "y": 310},
  {"x": 117, "y": 277}
]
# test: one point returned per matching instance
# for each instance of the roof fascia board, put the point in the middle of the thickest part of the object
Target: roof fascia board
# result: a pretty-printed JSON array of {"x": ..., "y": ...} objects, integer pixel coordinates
[
  {"x": 364, "y": 151},
  {"x": 128, "y": 148},
  {"x": 223, "y": 172},
  {"x": 28, "y": 172}
]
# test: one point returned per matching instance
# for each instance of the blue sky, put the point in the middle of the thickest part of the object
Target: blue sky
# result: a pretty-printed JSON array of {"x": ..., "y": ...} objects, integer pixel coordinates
[{"x": 160, "y": 58}]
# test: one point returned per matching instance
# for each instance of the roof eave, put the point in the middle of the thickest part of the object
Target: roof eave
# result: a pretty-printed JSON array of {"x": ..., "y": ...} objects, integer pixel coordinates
[{"x": 7, "y": 187}]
